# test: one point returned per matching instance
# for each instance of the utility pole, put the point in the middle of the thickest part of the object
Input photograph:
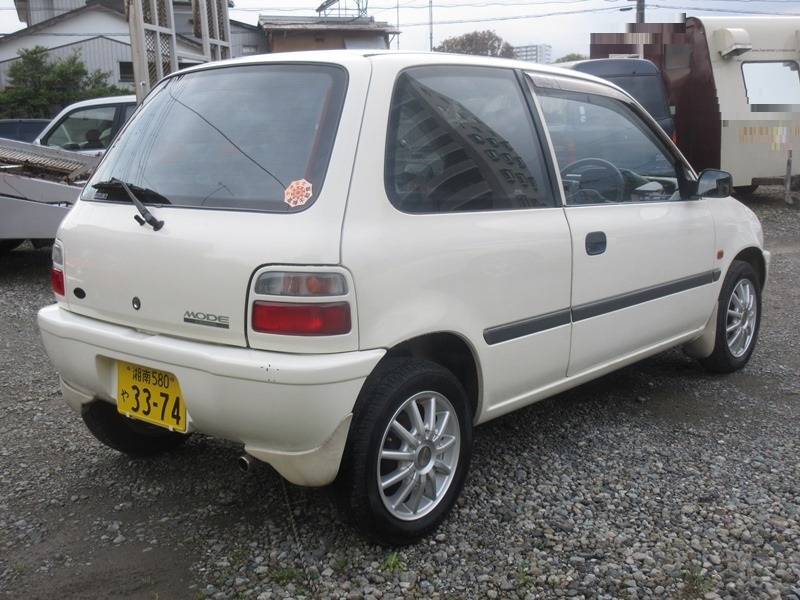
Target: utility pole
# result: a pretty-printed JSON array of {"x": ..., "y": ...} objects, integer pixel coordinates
[
  {"x": 640, "y": 11},
  {"x": 430, "y": 24}
]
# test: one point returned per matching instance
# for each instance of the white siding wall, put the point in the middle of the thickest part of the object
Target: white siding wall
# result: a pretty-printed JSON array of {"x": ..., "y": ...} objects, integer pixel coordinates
[
  {"x": 69, "y": 31},
  {"x": 100, "y": 36},
  {"x": 241, "y": 37},
  {"x": 41, "y": 10},
  {"x": 103, "y": 40},
  {"x": 96, "y": 53},
  {"x": 99, "y": 53}
]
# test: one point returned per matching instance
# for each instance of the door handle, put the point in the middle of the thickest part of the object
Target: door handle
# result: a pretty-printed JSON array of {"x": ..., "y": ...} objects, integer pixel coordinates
[{"x": 596, "y": 243}]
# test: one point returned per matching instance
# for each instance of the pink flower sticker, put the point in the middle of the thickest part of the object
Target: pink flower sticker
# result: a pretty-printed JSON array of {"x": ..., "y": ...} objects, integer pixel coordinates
[{"x": 298, "y": 193}]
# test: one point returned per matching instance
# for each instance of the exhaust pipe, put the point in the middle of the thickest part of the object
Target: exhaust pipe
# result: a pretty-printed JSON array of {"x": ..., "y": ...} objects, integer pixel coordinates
[{"x": 245, "y": 462}]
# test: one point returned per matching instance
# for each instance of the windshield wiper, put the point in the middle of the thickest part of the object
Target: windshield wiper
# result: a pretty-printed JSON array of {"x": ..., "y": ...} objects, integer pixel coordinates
[{"x": 146, "y": 215}]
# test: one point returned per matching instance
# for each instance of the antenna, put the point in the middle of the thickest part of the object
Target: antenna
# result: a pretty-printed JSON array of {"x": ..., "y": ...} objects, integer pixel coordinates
[{"x": 360, "y": 10}]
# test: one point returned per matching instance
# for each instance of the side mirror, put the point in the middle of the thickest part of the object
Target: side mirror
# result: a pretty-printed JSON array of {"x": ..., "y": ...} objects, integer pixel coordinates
[{"x": 714, "y": 184}]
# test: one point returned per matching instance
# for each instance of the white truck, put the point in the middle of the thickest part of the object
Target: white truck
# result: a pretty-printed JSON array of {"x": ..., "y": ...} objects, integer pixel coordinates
[
  {"x": 39, "y": 182},
  {"x": 38, "y": 185}
]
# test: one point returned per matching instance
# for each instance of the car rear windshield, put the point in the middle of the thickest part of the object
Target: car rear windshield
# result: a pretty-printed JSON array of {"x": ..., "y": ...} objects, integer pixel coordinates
[{"x": 249, "y": 137}]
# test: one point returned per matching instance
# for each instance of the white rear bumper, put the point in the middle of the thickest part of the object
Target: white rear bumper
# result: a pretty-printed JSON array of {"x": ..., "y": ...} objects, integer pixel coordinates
[{"x": 290, "y": 410}]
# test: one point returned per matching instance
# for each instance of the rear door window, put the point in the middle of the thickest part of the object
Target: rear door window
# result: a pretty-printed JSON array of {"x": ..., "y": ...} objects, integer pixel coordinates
[
  {"x": 462, "y": 139},
  {"x": 254, "y": 137}
]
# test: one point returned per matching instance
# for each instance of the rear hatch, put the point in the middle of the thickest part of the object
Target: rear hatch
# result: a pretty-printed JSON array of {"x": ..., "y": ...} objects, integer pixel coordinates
[{"x": 224, "y": 171}]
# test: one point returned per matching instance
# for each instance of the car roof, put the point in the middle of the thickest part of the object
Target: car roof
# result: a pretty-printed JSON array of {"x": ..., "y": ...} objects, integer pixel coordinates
[
  {"x": 102, "y": 101},
  {"x": 403, "y": 58}
]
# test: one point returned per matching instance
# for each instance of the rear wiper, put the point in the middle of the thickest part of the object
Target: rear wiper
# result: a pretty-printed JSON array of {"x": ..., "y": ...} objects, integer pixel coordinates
[{"x": 129, "y": 189}]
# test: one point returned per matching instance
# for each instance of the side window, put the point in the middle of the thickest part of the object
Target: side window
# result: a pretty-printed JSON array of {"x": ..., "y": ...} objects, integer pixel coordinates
[
  {"x": 771, "y": 83},
  {"x": 462, "y": 139},
  {"x": 83, "y": 129},
  {"x": 605, "y": 152}
]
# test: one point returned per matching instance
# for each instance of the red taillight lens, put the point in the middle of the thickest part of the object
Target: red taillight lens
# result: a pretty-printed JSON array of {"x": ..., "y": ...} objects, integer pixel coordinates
[
  {"x": 291, "y": 318},
  {"x": 57, "y": 281}
]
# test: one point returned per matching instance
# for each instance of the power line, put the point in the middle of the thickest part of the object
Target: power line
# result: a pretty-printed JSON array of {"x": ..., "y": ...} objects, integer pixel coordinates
[{"x": 586, "y": 11}]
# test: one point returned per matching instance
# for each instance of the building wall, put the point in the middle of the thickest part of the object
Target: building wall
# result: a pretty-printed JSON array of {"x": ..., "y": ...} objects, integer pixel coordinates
[
  {"x": 98, "y": 36},
  {"x": 296, "y": 40},
  {"x": 103, "y": 41},
  {"x": 537, "y": 53},
  {"x": 293, "y": 41},
  {"x": 100, "y": 53},
  {"x": 246, "y": 41},
  {"x": 41, "y": 10}
]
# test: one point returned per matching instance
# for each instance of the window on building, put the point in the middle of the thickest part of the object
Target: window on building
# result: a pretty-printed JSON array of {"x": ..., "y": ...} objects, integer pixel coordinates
[{"x": 126, "y": 72}]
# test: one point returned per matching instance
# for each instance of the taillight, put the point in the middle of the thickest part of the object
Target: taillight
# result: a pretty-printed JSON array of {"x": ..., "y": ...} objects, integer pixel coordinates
[
  {"x": 57, "y": 270},
  {"x": 282, "y": 283},
  {"x": 57, "y": 281},
  {"x": 324, "y": 309},
  {"x": 294, "y": 318}
]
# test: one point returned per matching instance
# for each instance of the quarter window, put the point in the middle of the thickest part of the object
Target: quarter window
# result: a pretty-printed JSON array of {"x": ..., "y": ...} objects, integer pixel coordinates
[
  {"x": 605, "y": 152},
  {"x": 462, "y": 139}
]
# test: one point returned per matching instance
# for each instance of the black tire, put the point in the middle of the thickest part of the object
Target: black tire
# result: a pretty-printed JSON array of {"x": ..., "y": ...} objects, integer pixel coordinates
[
  {"x": 745, "y": 190},
  {"x": 738, "y": 320},
  {"x": 431, "y": 475},
  {"x": 126, "y": 435}
]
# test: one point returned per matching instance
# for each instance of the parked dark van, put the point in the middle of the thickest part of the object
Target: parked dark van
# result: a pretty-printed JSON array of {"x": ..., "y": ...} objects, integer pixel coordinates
[
  {"x": 639, "y": 77},
  {"x": 22, "y": 130}
]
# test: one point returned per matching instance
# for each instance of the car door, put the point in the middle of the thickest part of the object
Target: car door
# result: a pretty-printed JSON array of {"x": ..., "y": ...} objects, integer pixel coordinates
[
  {"x": 643, "y": 255},
  {"x": 470, "y": 236}
]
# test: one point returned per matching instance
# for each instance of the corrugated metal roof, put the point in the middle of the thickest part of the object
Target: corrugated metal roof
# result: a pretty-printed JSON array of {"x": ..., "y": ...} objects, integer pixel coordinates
[{"x": 60, "y": 162}]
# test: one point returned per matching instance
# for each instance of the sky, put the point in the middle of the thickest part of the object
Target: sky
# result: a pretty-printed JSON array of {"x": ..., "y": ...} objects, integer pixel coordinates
[{"x": 565, "y": 25}]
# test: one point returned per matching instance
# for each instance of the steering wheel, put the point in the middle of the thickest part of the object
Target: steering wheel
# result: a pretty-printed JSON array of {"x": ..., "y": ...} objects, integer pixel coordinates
[{"x": 610, "y": 181}]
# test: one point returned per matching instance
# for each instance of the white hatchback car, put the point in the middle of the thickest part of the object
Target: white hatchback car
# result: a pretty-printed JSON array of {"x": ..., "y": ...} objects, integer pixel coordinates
[{"x": 347, "y": 260}]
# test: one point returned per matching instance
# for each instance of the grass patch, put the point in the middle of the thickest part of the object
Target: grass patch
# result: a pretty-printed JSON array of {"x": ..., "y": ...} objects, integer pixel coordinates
[
  {"x": 393, "y": 563},
  {"x": 284, "y": 575},
  {"x": 696, "y": 583}
]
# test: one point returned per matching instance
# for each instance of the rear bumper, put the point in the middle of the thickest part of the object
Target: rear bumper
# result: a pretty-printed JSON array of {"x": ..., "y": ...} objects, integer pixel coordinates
[{"x": 292, "y": 411}]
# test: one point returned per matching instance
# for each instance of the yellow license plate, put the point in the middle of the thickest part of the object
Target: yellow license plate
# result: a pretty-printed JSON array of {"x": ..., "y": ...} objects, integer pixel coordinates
[{"x": 150, "y": 395}]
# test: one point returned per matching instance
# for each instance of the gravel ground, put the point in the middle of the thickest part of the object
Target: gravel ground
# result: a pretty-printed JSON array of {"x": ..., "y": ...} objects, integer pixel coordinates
[{"x": 659, "y": 481}]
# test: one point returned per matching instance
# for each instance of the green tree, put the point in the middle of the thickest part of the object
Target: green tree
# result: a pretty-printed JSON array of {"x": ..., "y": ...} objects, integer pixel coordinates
[
  {"x": 39, "y": 87},
  {"x": 571, "y": 57},
  {"x": 482, "y": 43}
]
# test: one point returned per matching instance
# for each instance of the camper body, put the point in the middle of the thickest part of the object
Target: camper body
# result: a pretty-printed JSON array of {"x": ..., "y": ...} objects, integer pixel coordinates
[{"x": 735, "y": 86}]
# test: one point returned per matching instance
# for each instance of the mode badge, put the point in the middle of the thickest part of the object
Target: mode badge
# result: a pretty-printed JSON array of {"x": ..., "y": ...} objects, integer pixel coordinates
[{"x": 207, "y": 319}]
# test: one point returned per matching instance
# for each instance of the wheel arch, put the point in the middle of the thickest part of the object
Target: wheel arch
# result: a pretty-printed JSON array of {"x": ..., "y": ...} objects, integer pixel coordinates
[
  {"x": 755, "y": 258},
  {"x": 450, "y": 351},
  {"x": 703, "y": 346}
]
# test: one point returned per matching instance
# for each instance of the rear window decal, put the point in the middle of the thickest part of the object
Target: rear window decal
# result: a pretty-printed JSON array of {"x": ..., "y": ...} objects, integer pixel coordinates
[{"x": 298, "y": 193}]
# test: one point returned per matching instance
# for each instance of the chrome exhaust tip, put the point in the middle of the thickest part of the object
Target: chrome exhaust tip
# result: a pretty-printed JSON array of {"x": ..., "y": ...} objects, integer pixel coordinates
[{"x": 245, "y": 462}]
